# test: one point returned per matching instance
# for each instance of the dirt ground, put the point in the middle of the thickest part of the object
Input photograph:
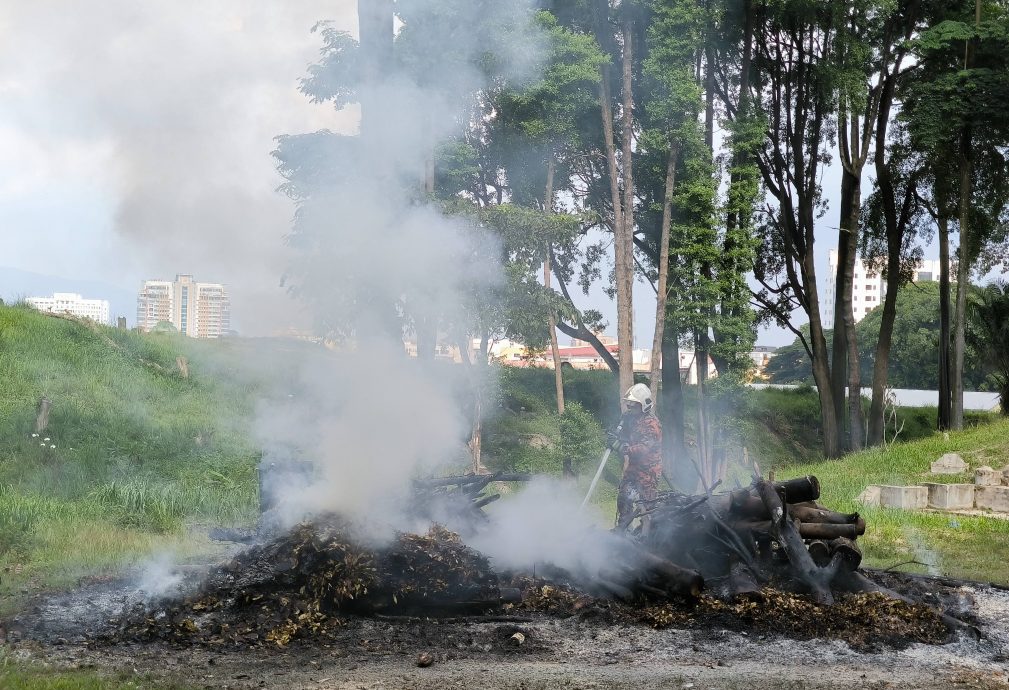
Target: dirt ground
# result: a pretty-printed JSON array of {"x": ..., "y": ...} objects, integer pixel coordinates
[{"x": 573, "y": 652}]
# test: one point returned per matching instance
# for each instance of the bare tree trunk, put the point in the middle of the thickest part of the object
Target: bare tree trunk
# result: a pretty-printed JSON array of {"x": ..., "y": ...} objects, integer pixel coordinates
[
  {"x": 702, "y": 341},
  {"x": 856, "y": 438},
  {"x": 962, "y": 284},
  {"x": 424, "y": 319},
  {"x": 625, "y": 267},
  {"x": 548, "y": 207},
  {"x": 821, "y": 364},
  {"x": 671, "y": 403},
  {"x": 625, "y": 373},
  {"x": 880, "y": 366},
  {"x": 842, "y": 288},
  {"x": 661, "y": 287},
  {"x": 945, "y": 401},
  {"x": 477, "y": 377},
  {"x": 845, "y": 367},
  {"x": 964, "y": 264}
]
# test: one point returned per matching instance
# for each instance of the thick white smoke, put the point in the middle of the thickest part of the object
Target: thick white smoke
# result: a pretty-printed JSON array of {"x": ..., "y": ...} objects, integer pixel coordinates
[
  {"x": 374, "y": 256},
  {"x": 544, "y": 523}
]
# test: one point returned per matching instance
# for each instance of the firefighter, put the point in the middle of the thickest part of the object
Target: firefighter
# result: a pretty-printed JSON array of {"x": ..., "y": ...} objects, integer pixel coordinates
[{"x": 641, "y": 448}]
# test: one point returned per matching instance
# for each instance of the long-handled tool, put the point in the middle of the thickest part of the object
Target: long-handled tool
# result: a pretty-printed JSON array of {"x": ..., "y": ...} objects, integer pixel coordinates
[{"x": 602, "y": 464}]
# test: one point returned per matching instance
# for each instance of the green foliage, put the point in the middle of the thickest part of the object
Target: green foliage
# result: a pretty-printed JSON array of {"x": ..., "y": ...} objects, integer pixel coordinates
[
  {"x": 914, "y": 355},
  {"x": 526, "y": 434},
  {"x": 988, "y": 335}
]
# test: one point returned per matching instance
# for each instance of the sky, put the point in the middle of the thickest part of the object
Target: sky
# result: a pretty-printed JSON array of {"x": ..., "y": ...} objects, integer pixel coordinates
[{"x": 135, "y": 143}]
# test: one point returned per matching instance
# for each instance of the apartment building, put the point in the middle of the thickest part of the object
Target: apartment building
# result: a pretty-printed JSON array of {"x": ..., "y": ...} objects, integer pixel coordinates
[
  {"x": 868, "y": 287},
  {"x": 198, "y": 310},
  {"x": 71, "y": 303}
]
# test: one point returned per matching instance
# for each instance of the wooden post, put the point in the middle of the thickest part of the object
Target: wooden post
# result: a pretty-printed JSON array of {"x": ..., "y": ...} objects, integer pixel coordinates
[
  {"x": 183, "y": 364},
  {"x": 42, "y": 418}
]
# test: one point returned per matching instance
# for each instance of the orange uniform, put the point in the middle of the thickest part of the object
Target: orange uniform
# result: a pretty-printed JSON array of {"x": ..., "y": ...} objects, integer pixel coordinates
[{"x": 643, "y": 450}]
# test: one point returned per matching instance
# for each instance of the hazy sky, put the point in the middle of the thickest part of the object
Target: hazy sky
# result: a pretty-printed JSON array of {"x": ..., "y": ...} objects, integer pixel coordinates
[{"x": 135, "y": 143}]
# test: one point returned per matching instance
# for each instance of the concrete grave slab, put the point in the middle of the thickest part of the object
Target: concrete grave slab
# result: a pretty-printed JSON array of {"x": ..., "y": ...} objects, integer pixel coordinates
[
  {"x": 986, "y": 476},
  {"x": 950, "y": 463},
  {"x": 903, "y": 497},
  {"x": 869, "y": 496},
  {"x": 950, "y": 496},
  {"x": 994, "y": 498}
]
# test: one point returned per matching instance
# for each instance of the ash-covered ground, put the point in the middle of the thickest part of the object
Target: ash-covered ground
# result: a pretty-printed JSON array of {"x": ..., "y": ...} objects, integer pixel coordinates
[{"x": 553, "y": 638}]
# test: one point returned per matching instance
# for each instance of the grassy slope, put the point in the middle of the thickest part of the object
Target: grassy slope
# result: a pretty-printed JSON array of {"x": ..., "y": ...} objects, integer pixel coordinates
[
  {"x": 957, "y": 545},
  {"x": 139, "y": 449}
]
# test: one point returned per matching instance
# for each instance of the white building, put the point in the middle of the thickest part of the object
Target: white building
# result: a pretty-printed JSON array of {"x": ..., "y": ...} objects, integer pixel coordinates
[
  {"x": 199, "y": 310},
  {"x": 71, "y": 303},
  {"x": 868, "y": 288}
]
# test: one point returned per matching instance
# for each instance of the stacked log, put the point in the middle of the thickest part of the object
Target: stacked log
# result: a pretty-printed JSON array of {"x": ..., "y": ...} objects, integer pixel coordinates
[{"x": 768, "y": 533}]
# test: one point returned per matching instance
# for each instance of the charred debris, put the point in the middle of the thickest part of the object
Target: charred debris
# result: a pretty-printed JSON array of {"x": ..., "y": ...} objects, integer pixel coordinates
[{"x": 768, "y": 557}]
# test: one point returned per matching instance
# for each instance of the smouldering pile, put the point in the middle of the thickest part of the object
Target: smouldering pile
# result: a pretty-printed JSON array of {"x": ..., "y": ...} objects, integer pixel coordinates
[
  {"x": 862, "y": 620},
  {"x": 299, "y": 584}
]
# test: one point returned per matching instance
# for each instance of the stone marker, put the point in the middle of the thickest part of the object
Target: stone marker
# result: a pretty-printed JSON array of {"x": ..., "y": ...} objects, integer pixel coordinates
[
  {"x": 950, "y": 496},
  {"x": 904, "y": 497},
  {"x": 994, "y": 498},
  {"x": 986, "y": 476},
  {"x": 950, "y": 463},
  {"x": 869, "y": 496}
]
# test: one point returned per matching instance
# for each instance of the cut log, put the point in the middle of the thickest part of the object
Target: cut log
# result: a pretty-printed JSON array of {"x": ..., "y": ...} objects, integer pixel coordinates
[
  {"x": 800, "y": 489},
  {"x": 804, "y": 513},
  {"x": 807, "y": 530},
  {"x": 815, "y": 530},
  {"x": 786, "y": 533},
  {"x": 486, "y": 500},
  {"x": 819, "y": 551},
  {"x": 851, "y": 555},
  {"x": 679, "y": 580}
]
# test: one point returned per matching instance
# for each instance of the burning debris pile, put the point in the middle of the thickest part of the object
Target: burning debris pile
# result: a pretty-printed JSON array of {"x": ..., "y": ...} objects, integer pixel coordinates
[
  {"x": 300, "y": 584},
  {"x": 767, "y": 558}
]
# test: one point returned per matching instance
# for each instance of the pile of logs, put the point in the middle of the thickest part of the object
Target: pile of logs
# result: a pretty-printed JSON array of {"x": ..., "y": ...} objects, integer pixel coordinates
[{"x": 770, "y": 532}]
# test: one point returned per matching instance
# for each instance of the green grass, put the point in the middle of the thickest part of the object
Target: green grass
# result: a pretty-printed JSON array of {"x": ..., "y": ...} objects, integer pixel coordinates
[
  {"x": 16, "y": 675},
  {"x": 140, "y": 450},
  {"x": 956, "y": 545}
]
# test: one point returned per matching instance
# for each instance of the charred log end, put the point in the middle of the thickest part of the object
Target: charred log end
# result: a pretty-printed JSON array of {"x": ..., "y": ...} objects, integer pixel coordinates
[
  {"x": 851, "y": 555},
  {"x": 819, "y": 551},
  {"x": 800, "y": 490}
]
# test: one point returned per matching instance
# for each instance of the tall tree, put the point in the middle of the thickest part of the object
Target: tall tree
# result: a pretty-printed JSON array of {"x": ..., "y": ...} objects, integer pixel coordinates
[
  {"x": 957, "y": 112},
  {"x": 794, "y": 56}
]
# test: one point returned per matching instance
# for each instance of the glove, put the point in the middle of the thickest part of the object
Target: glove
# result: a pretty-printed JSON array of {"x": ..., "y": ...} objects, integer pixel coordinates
[{"x": 612, "y": 440}]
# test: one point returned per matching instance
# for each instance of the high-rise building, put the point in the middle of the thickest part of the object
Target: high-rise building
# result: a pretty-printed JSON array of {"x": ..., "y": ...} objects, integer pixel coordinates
[
  {"x": 868, "y": 288},
  {"x": 71, "y": 303},
  {"x": 199, "y": 310}
]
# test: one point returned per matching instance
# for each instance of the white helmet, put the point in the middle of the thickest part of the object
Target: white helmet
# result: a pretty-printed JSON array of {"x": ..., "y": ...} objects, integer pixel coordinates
[{"x": 640, "y": 394}]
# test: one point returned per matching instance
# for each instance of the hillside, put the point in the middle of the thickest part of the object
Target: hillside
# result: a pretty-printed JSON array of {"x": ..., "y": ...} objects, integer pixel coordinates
[
  {"x": 133, "y": 448},
  {"x": 146, "y": 456}
]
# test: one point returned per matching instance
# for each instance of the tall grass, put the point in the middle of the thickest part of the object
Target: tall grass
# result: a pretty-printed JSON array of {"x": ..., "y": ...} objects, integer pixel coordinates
[{"x": 133, "y": 452}]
